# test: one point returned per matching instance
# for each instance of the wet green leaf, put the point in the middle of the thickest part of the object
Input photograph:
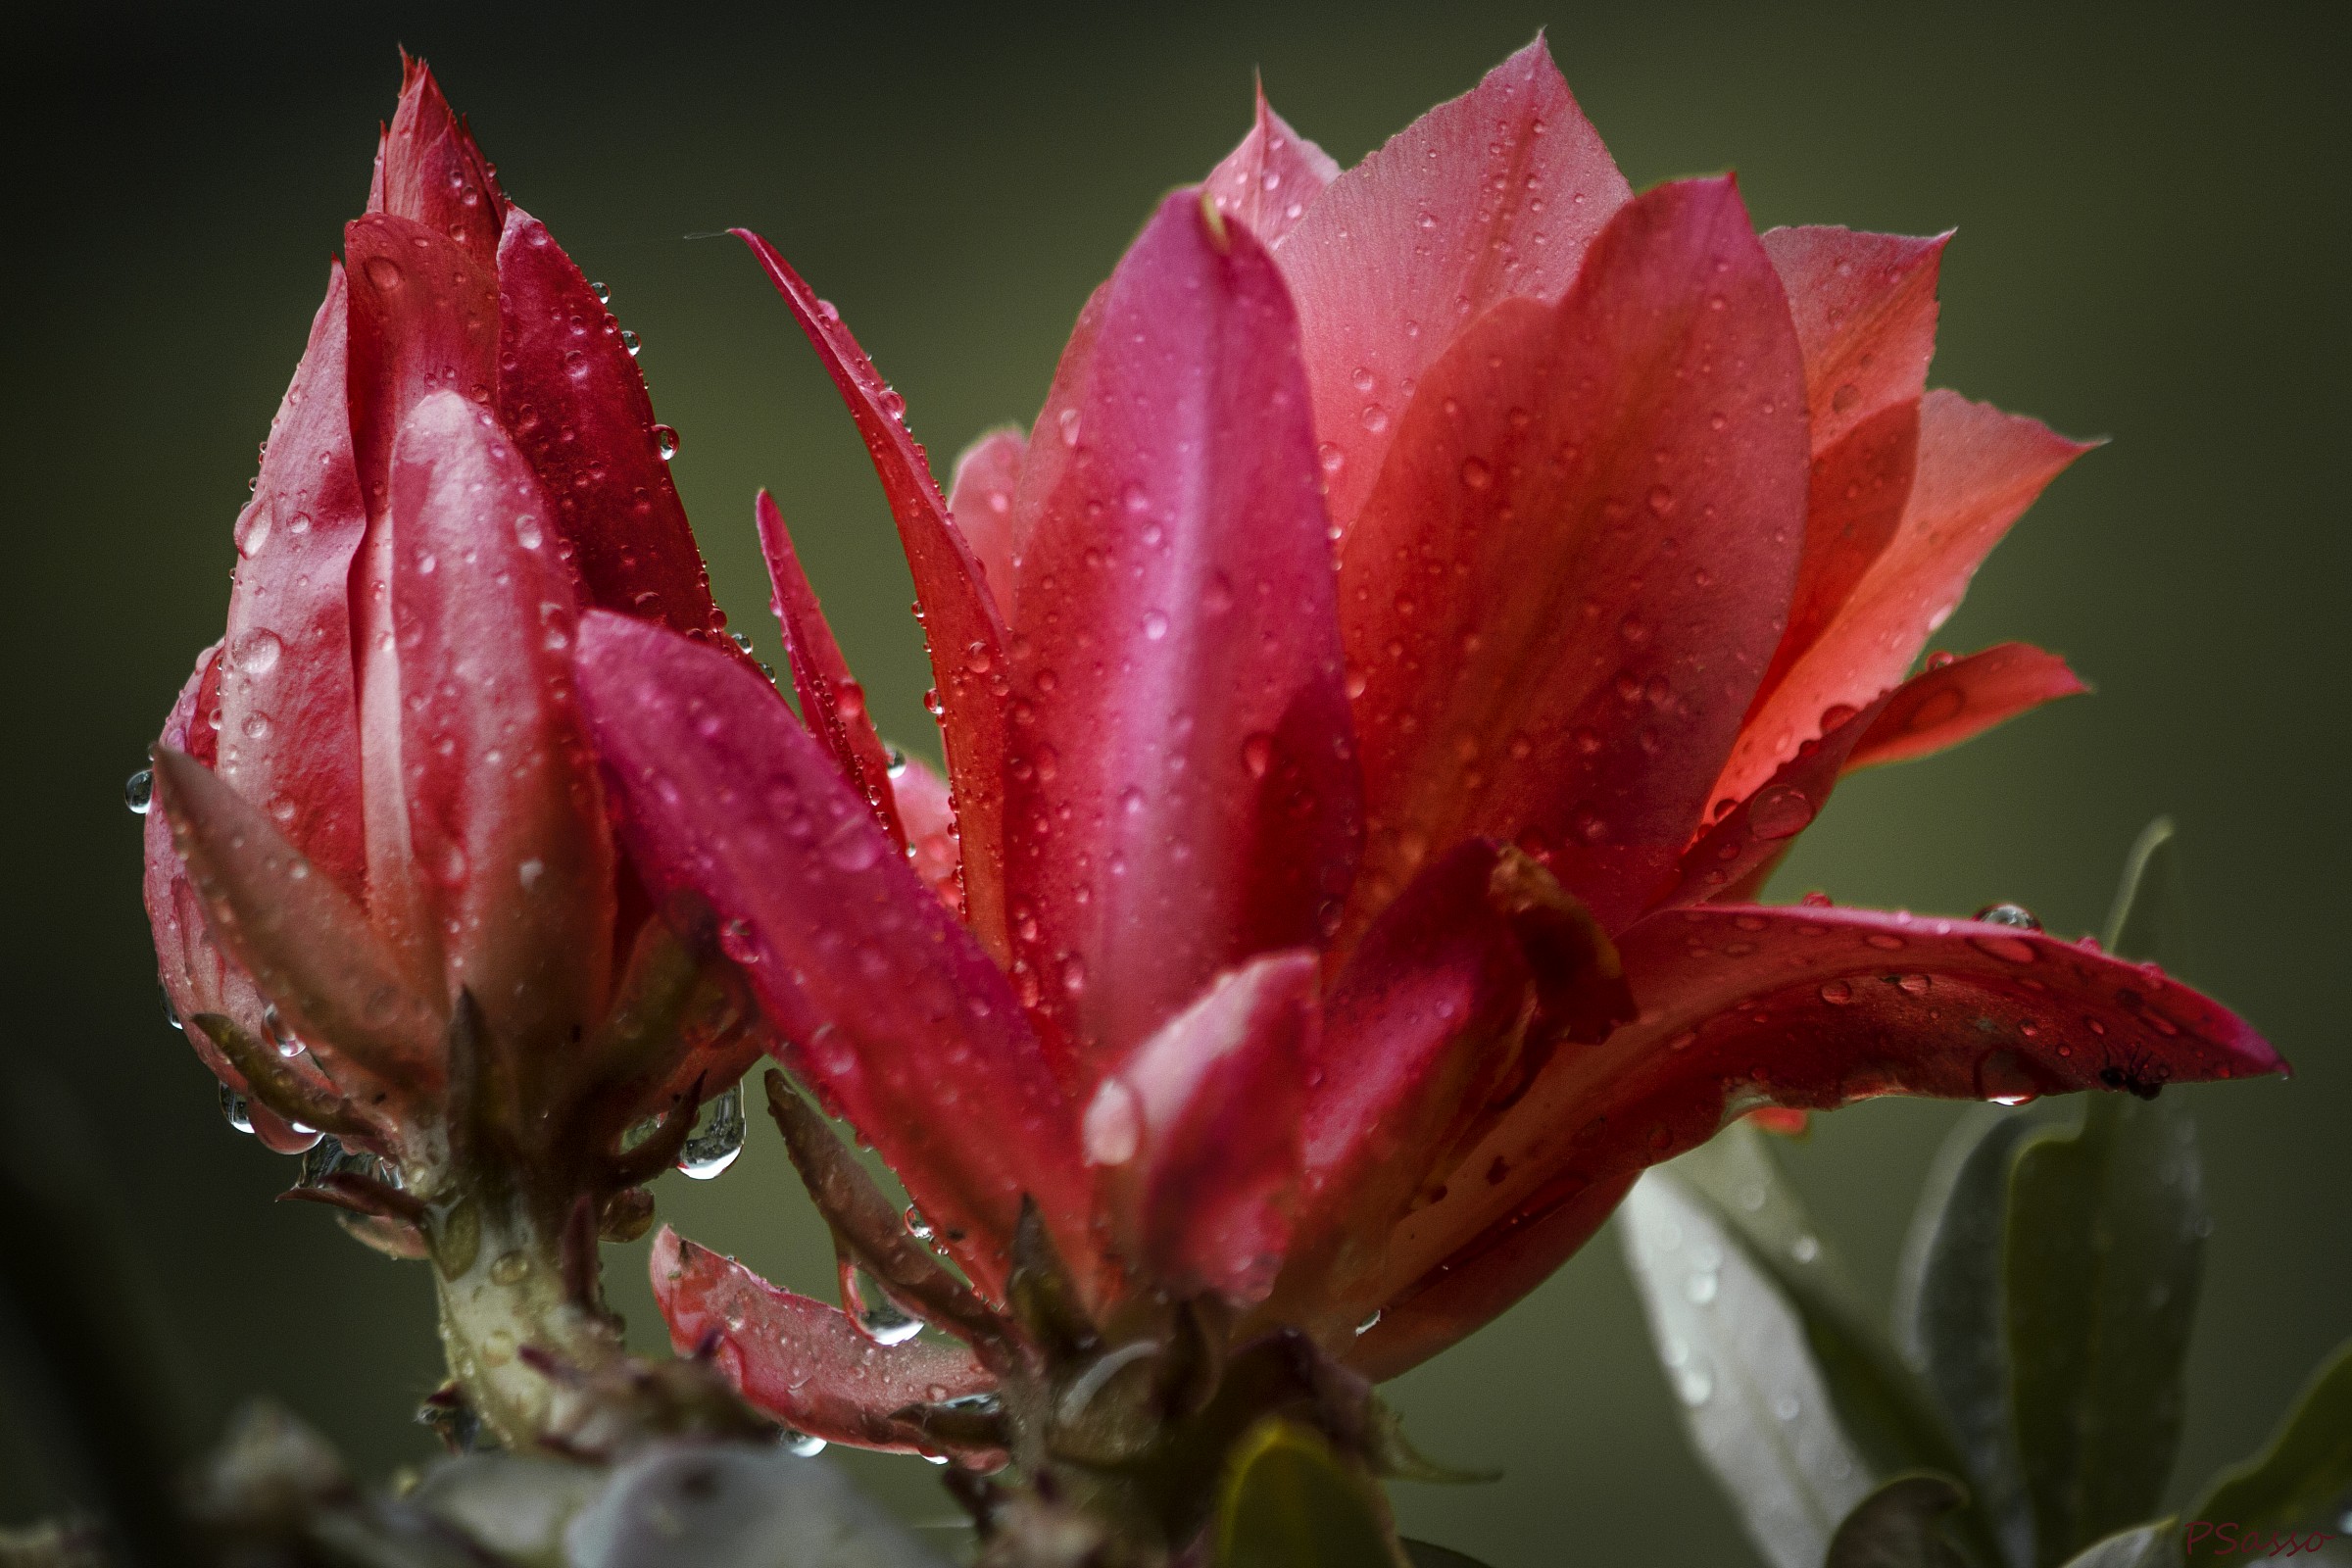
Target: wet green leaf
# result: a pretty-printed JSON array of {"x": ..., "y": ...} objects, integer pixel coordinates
[
  {"x": 1895, "y": 1526},
  {"x": 1949, "y": 1317},
  {"x": 2105, "y": 1250},
  {"x": 2302, "y": 1479},
  {"x": 1290, "y": 1502}
]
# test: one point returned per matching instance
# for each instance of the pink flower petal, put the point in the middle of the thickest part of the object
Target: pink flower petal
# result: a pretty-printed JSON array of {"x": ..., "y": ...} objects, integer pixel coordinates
[
  {"x": 1949, "y": 703},
  {"x": 1492, "y": 196},
  {"x": 1267, "y": 183},
  {"x": 988, "y": 478},
  {"x": 428, "y": 168},
  {"x": 893, "y": 1012},
  {"x": 1181, "y": 790},
  {"x": 1865, "y": 311},
  {"x": 832, "y": 703},
  {"x": 960, "y": 624},
  {"x": 289, "y": 736},
  {"x": 506, "y": 815},
  {"x": 804, "y": 1361},
  {"x": 1978, "y": 469},
  {"x": 570, "y": 395},
  {"x": 1798, "y": 1007},
  {"x": 922, "y": 802},
  {"x": 1198, "y": 1133},
  {"x": 307, "y": 945},
  {"x": 1559, "y": 602}
]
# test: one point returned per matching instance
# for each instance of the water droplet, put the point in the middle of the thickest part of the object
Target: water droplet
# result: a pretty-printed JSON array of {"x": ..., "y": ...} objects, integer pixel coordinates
[
  {"x": 1836, "y": 993},
  {"x": 1661, "y": 501},
  {"x": 885, "y": 1324},
  {"x": 604, "y": 295},
  {"x": 1362, "y": 380},
  {"x": 1779, "y": 812},
  {"x": 527, "y": 531},
  {"x": 279, "y": 1034},
  {"x": 736, "y": 941},
  {"x": 252, "y": 531},
  {"x": 1700, "y": 1288},
  {"x": 255, "y": 654},
  {"x": 665, "y": 442},
  {"x": 1476, "y": 475},
  {"x": 1786, "y": 1408},
  {"x": 717, "y": 1140},
  {"x": 2016, "y": 915},
  {"x": 1113, "y": 1125},
  {"x": 1806, "y": 1249},
  {"x": 629, "y": 340},
  {"x": 1375, "y": 418},
  {"x": 138, "y": 791},
  {"x": 1695, "y": 1387},
  {"x": 1155, "y": 624},
  {"x": 233, "y": 1111},
  {"x": 1257, "y": 753},
  {"x": 802, "y": 1443},
  {"x": 1369, "y": 1324},
  {"x": 916, "y": 1226}
]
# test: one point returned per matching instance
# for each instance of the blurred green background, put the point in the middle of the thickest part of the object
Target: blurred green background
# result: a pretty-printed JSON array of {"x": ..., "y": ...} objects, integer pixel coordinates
[{"x": 2152, "y": 235}]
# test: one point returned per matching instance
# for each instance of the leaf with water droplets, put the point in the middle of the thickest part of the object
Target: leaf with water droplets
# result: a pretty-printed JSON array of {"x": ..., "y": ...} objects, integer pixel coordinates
[
  {"x": 2302, "y": 1479},
  {"x": 1738, "y": 1357},
  {"x": 2104, "y": 1257},
  {"x": 800, "y": 1360},
  {"x": 1290, "y": 1502}
]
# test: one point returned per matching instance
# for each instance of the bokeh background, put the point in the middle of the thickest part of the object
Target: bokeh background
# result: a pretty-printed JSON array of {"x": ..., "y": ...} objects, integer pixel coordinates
[{"x": 2152, "y": 236}]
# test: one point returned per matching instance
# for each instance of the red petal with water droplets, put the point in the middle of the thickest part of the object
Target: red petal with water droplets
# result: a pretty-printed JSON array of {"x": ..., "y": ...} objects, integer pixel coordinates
[
  {"x": 1180, "y": 789},
  {"x": 1865, "y": 311},
  {"x": 1491, "y": 196},
  {"x": 1198, "y": 1131},
  {"x": 427, "y": 169},
  {"x": 960, "y": 623},
  {"x": 570, "y": 395},
  {"x": 804, "y": 1361},
  {"x": 506, "y": 815},
  {"x": 922, "y": 800},
  {"x": 1978, "y": 469},
  {"x": 289, "y": 733},
  {"x": 1053, "y": 440},
  {"x": 894, "y": 1012},
  {"x": 1267, "y": 183},
  {"x": 832, "y": 703},
  {"x": 1950, "y": 703},
  {"x": 1803, "y": 1007},
  {"x": 1558, "y": 604},
  {"x": 1853, "y": 508},
  {"x": 980, "y": 500},
  {"x": 305, "y": 942},
  {"x": 1755, "y": 833}
]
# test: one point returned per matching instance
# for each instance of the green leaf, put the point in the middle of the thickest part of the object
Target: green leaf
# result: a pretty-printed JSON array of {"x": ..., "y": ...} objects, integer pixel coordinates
[
  {"x": 2105, "y": 1247},
  {"x": 1895, "y": 1526},
  {"x": 2149, "y": 918},
  {"x": 1290, "y": 1502},
  {"x": 2303, "y": 1478},
  {"x": 1949, "y": 1312},
  {"x": 2156, "y": 1545},
  {"x": 1757, "y": 1402},
  {"x": 1878, "y": 1403},
  {"x": 1421, "y": 1554}
]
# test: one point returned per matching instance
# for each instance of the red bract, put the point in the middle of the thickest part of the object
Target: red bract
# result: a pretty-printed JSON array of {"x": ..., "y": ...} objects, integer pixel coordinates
[
  {"x": 1431, "y": 596},
  {"x": 384, "y": 894}
]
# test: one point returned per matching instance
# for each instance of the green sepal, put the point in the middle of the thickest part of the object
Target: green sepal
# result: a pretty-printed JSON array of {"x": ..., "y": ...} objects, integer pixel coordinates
[
  {"x": 2303, "y": 1476},
  {"x": 1290, "y": 1502}
]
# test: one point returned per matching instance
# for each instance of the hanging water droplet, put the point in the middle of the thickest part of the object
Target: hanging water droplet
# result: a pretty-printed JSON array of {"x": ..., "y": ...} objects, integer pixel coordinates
[
  {"x": 898, "y": 763},
  {"x": 2015, "y": 914},
  {"x": 233, "y": 1111},
  {"x": 802, "y": 1443},
  {"x": 328, "y": 1158},
  {"x": 743, "y": 644},
  {"x": 717, "y": 1140},
  {"x": 629, "y": 340},
  {"x": 1369, "y": 1324},
  {"x": 279, "y": 1034},
  {"x": 916, "y": 1226},
  {"x": 885, "y": 1324},
  {"x": 604, "y": 295},
  {"x": 170, "y": 1014},
  {"x": 138, "y": 791},
  {"x": 1695, "y": 1387},
  {"x": 665, "y": 442}
]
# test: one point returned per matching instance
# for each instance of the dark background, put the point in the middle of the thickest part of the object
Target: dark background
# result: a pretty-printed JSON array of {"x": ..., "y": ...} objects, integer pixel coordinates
[{"x": 2152, "y": 237}]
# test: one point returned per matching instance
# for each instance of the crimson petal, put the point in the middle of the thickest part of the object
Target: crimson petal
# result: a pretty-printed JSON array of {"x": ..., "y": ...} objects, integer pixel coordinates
[
  {"x": 988, "y": 476},
  {"x": 893, "y": 1012},
  {"x": 1798, "y": 1007},
  {"x": 289, "y": 703},
  {"x": 921, "y": 797},
  {"x": 960, "y": 625},
  {"x": 1559, "y": 602},
  {"x": 1492, "y": 196},
  {"x": 1978, "y": 469},
  {"x": 832, "y": 703},
  {"x": 571, "y": 396},
  {"x": 1198, "y": 1131},
  {"x": 1180, "y": 786},
  {"x": 505, "y": 813},
  {"x": 1865, "y": 311},
  {"x": 804, "y": 1361},
  {"x": 428, "y": 168},
  {"x": 1949, "y": 703},
  {"x": 1267, "y": 183}
]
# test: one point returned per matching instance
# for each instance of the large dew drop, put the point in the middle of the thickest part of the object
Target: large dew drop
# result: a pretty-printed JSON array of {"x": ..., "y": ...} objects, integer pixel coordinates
[{"x": 718, "y": 1140}]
